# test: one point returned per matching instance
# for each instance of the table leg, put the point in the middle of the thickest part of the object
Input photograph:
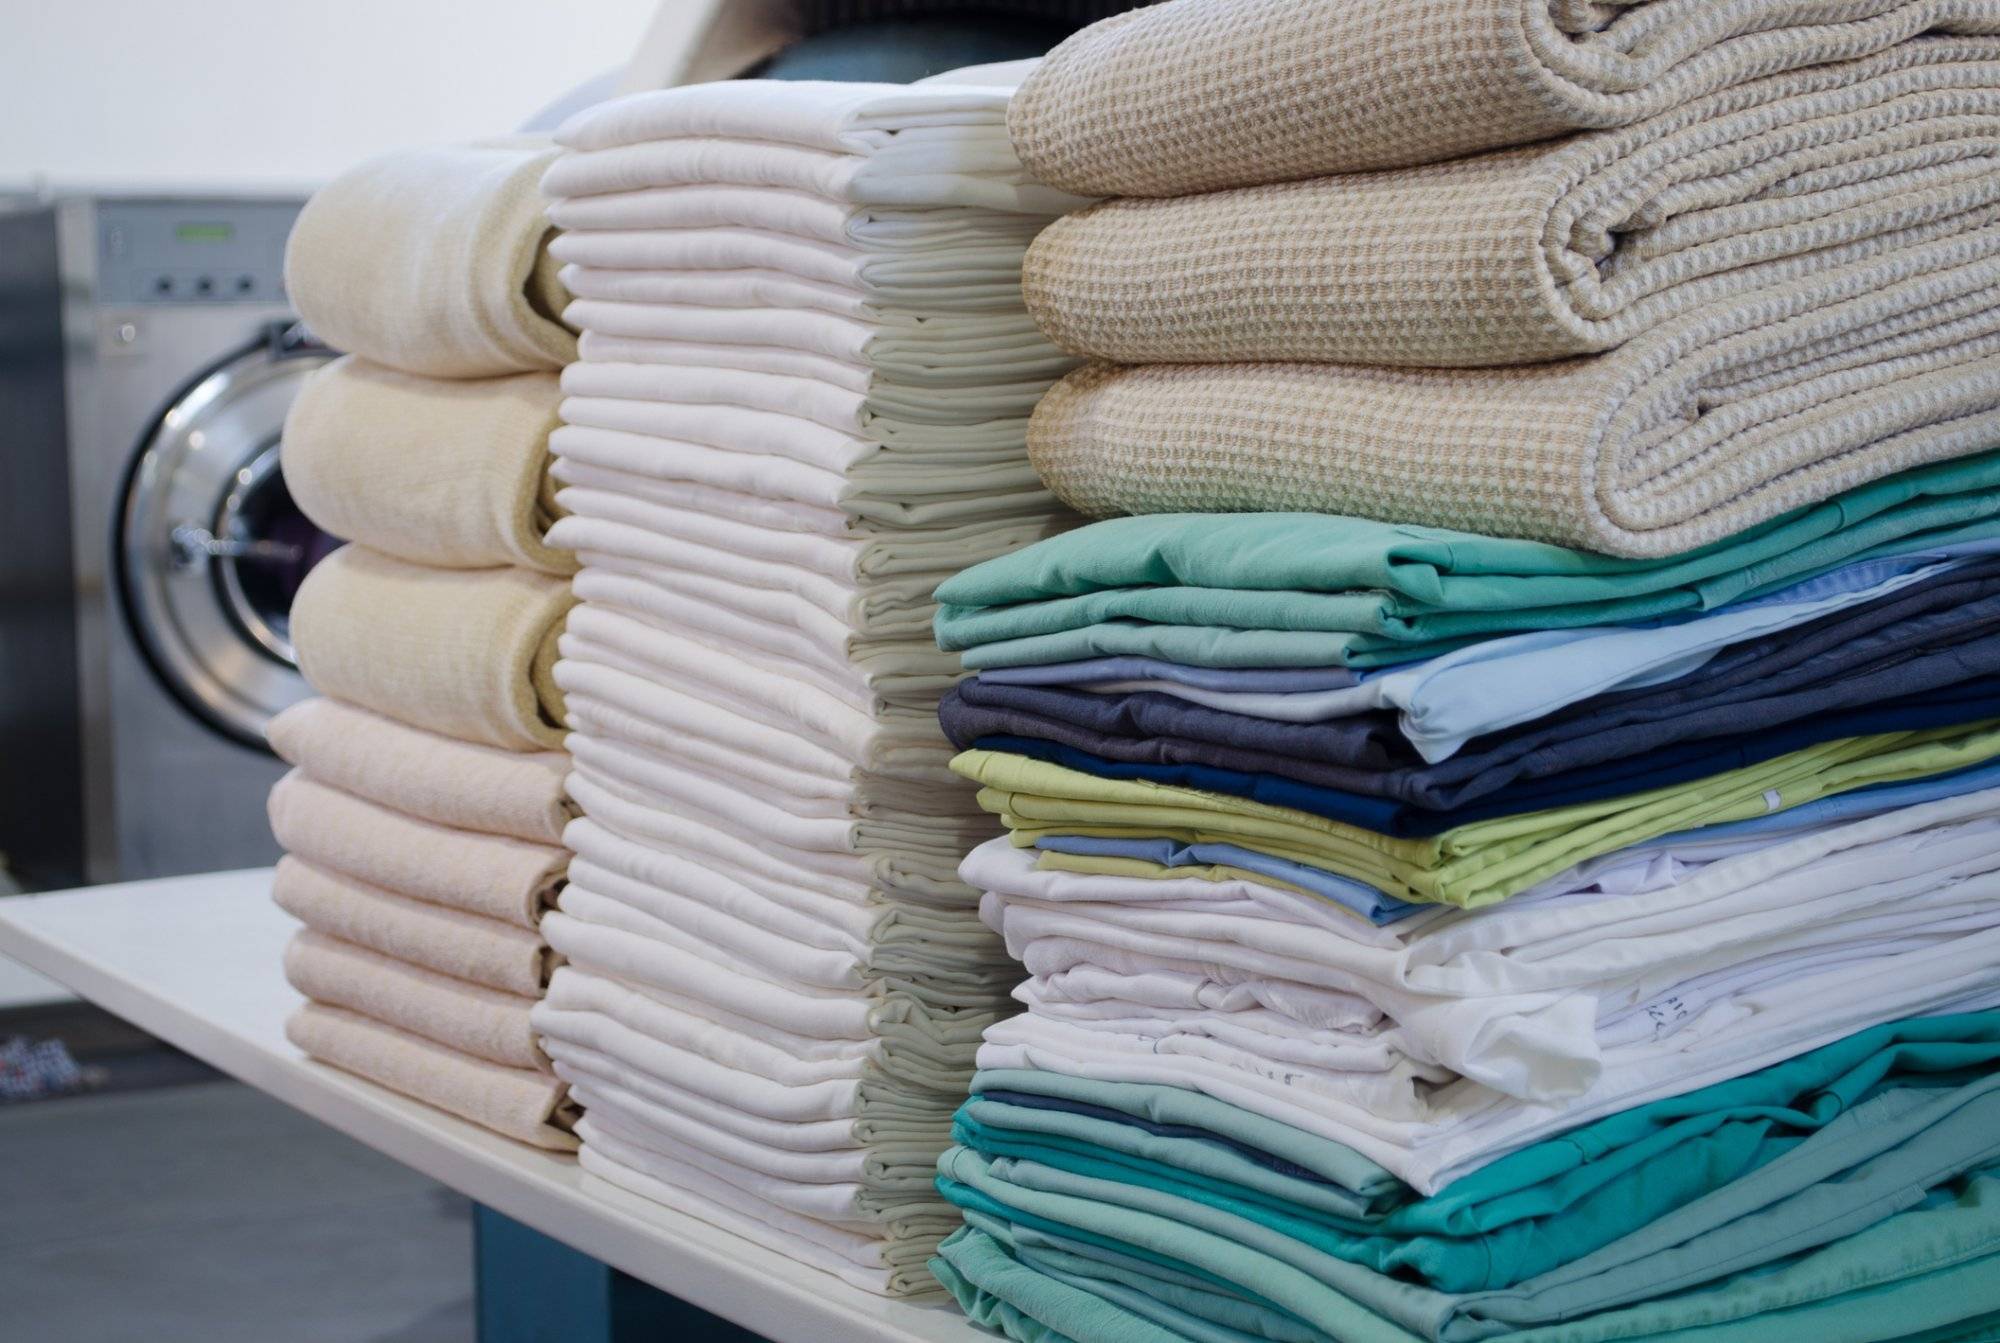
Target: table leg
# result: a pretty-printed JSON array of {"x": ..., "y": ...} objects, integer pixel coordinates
[{"x": 532, "y": 1289}]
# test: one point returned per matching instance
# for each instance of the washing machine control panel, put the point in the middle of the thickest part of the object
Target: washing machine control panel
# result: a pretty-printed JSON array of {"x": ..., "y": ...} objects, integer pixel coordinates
[{"x": 211, "y": 251}]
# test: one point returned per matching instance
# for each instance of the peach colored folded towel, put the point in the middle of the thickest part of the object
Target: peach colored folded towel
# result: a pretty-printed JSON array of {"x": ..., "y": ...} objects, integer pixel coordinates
[
  {"x": 465, "y": 653},
  {"x": 490, "y": 875},
  {"x": 454, "y": 783},
  {"x": 520, "y": 1103},
  {"x": 456, "y": 1013},
  {"x": 452, "y": 942},
  {"x": 441, "y": 472}
]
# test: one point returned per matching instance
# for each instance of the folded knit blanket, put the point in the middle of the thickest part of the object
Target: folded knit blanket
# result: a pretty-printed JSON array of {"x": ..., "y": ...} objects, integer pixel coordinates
[
  {"x": 503, "y": 956},
  {"x": 435, "y": 261},
  {"x": 493, "y": 876},
  {"x": 1202, "y": 94},
  {"x": 456, "y": 1013},
  {"x": 424, "y": 776},
  {"x": 1567, "y": 248},
  {"x": 465, "y": 653},
  {"x": 449, "y": 473},
  {"x": 525, "y": 1104},
  {"x": 1706, "y": 425}
]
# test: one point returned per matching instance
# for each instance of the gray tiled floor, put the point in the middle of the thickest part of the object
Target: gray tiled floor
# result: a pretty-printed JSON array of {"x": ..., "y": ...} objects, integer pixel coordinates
[{"x": 210, "y": 1212}]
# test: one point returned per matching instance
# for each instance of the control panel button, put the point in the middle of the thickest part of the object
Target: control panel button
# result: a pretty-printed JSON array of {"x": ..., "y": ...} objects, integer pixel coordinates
[
  {"x": 245, "y": 283},
  {"x": 204, "y": 285},
  {"x": 164, "y": 285}
]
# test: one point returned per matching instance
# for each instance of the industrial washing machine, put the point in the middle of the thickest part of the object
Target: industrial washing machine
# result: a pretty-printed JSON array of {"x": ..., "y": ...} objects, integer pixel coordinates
[{"x": 150, "y": 550}]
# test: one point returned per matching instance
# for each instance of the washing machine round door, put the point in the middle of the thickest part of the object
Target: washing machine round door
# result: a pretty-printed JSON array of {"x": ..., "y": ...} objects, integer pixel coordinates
[{"x": 211, "y": 548}]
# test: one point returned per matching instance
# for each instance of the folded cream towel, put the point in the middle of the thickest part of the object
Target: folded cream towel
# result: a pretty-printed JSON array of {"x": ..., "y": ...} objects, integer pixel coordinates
[
  {"x": 456, "y": 1013},
  {"x": 465, "y": 653},
  {"x": 1563, "y": 249},
  {"x": 450, "y": 941},
  {"x": 435, "y": 471},
  {"x": 1202, "y": 94},
  {"x": 435, "y": 261},
  {"x": 1712, "y": 422},
  {"x": 453, "y": 783},
  {"x": 521, "y": 1103},
  {"x": 493, "y": 876}
]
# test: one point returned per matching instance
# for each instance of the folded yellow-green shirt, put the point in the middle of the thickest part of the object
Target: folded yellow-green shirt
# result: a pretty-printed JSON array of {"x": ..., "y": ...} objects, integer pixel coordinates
[{"x": 1475, "y": 864}]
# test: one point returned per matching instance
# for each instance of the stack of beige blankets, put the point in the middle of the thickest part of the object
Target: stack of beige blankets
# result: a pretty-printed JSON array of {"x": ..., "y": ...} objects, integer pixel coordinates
[
  {"x": 801, "y": 401},
  {"x": 423, "y": 818},
  {"x": 1629, "y": 277}
]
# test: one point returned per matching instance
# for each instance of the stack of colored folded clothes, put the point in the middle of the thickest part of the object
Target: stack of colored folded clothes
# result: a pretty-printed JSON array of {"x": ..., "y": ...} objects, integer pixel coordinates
[
  {"x": 801, "y": 401},
  {"x": 423, "y": 820},
  {"x": 1551, "y": 888}
]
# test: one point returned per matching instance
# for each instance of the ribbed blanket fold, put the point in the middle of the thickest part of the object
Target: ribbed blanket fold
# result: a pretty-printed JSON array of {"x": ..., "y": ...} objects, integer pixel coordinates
[
  {"x": 528, "y": 1106},
  {"x": 423, "y": 775},
  {"x": 435, "y": 261},
  {"x": 449, "y": 473},
  {"x": 1706, "y": 425},
  {"x": 1563, "y": 249},
  {"x": 1202, "y": 94},
  {"x": 456, "y": 1013},
  {"x": 492, "y": 876},
  {"x": 464, "y": 653}
]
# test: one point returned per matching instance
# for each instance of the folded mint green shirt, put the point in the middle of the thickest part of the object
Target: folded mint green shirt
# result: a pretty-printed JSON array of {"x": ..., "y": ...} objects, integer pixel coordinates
[{"x": 1304, "y": 589}]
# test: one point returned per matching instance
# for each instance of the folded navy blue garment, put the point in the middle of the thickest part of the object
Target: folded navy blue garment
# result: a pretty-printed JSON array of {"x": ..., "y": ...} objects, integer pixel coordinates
[
  {"x": 1911, "y": 645},
  {"x": 1277, "y": 680},
  {"x": 1966, "y": 703}
]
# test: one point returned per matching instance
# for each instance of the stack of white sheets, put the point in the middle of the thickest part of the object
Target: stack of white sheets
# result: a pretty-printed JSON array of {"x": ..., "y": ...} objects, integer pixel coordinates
[{"x": 801, "y": 402}]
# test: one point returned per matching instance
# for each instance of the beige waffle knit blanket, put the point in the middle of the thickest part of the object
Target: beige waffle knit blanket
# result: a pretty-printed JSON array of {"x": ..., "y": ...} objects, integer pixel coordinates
[
  {"x": 1533, "y": 254},
  {"x": 453, "y": 473},
  {"x": 1706, "y": 425},
  {"x": 466, "y": 653},
  {"x": 435, "y": 261},
  {"x": 1201, "y": 94}
]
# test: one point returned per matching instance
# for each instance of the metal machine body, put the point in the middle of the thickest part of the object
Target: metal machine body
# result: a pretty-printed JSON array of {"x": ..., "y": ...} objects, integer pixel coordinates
[{"x": 151, "y": 440}]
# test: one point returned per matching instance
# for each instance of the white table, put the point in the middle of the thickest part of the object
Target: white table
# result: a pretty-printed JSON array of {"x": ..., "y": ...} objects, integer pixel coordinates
[{"x": 197, "y": 962}]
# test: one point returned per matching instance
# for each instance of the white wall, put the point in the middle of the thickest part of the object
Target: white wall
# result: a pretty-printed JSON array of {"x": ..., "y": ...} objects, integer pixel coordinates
[{"x": 279, "y": 93}]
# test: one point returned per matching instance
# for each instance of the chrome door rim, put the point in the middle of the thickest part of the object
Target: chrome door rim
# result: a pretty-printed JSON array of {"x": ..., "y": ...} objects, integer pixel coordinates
[{"x": 187, "y": 613}]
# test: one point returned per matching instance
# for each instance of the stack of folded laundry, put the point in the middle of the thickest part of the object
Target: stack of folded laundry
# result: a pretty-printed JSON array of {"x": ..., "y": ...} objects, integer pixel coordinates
[
  {"x": 1550, "y": 887},
  {"x": 423, "y": 818},
  {"x": 801, "y": 400}
]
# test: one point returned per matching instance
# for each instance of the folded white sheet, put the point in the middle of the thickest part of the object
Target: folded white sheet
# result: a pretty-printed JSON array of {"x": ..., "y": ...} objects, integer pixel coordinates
[
  {"x": 890, "y": 1135},
  {"x": 842, "y": 718},
  {"x": 883, "y": 144},
  {"x": 803, "y": 214},
  {"x": 892, "y": 1053},
  {"x": 689, "y": 1191}
]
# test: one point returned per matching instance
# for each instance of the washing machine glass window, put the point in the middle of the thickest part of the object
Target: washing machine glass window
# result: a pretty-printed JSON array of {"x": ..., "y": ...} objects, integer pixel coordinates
[{"x": 210, "y": 547}]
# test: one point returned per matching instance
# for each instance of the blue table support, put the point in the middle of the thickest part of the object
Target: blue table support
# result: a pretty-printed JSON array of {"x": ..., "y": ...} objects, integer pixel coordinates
[{"x": 534, "y": 1289}]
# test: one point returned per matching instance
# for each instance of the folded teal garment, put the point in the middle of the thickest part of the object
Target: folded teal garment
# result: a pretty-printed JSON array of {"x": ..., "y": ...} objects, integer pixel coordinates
[
  {"x": 1733, "y": 1178},
  {"x": 1303, "y": 589},
  {"x": 1019, "y": 1282},
  {"x": 1932, "y": 1263},
  {"x": 1533, "y": 1211}
]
